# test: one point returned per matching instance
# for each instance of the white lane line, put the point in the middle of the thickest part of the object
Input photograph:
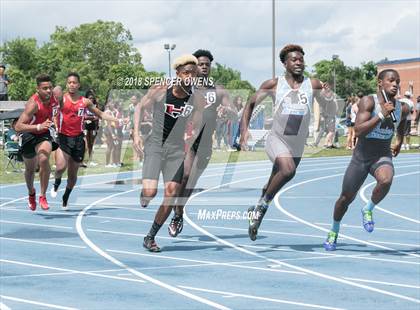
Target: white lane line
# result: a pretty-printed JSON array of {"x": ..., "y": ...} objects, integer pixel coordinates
[
  {"x": 247, "y": 296},
  {"x": 122, "y": 179},
  {"x": 314, "y": 273},
  {"x": 272, "y": 220},
  {"x": 130, "y": 178},
  {"x": 362, "y": 194},
  {"x": 61, "y": 190},
  {"x": 397, "y": 243},
  {"x": 302, "y": 235},
  {"x": 205, "y": 263},
  {"x": 187, "y": 265},
  {"x": 143, "y": 235},
  {"x": 54, "y": 274},
  {"x": 260, "y": 247},
  {"x": 277, "y": 204},
  {"x": 82, "y": 177},
  {"x": 332, "y": 159},
  {"x": 3, "y": 306},
  {"x": 37, "y": 303},
  {"x": 44, "y": 242},
  {"x": 49, "y": 274},
  {"x": 68, "y": 270},
  {"x": 141, "y": 275},
  {"x": 35, "y": 224},
  {"x": 376, "y": 228},
  {"x": 266, "y": 231},
  {"x": 385, "y": 283}
]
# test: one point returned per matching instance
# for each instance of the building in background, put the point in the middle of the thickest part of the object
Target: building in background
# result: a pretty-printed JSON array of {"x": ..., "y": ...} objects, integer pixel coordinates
[{"x": 409, "y": 70}]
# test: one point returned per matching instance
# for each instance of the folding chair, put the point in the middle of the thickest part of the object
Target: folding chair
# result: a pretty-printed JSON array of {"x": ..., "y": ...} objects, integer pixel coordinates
[{"x": 13, "y": 155}]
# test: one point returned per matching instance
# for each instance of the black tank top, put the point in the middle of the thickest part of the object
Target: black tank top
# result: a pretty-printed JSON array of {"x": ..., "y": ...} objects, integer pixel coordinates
[
  {"x": 169, "y": 119},
  {"x": 212, "y": 102}
]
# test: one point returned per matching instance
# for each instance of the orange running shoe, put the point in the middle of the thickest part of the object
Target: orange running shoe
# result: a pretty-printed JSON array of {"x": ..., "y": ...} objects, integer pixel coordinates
[{"x": 43, "y": 203}]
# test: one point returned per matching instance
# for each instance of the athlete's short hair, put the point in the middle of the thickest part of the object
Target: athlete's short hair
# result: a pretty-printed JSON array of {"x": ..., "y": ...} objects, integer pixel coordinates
[
  {"x": 203, "y": 53},
  {"x": 75, "y": 74},
  {"x": 383, "y": 73},
  {"x": 288, "y": 49},
  {"x": 42, "y": 78},
  {"x": 184, "y": 60}
]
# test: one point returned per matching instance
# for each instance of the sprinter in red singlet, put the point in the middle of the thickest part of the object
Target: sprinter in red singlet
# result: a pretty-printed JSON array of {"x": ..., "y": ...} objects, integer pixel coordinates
[
  {"x": 70, "y": 134},
  {"x": 37, "y": 142}
]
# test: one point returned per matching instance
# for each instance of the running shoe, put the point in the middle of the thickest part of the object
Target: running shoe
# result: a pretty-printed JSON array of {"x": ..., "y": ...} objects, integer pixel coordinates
[
  {"x": 368, "y": 223},
  {"x": 255, "y": 215},
  {"x": 53, "y": 192},
  {"x": 32, "y": 201},
  {"x": 149, "y": 243},
  {"x": 331, "y": 243},
  {"x": 176, "y": 226},
  {"x": 64, "y": 206},
  {"x": 43, "y": 203}
]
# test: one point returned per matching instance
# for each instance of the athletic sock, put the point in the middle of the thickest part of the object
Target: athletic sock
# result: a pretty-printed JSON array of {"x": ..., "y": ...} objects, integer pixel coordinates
[
  {"x": 335, "y": 226},
  {"x": 57, "y": 183},
  {"x": 154, "y": 230},
  {"x": 177, "y": 216},
  {"x": 143, "y": 202},
  {"x": 66, "y": 196},
  {"x": 264, "y": 202},
  {"x": 369, "y": 206}
]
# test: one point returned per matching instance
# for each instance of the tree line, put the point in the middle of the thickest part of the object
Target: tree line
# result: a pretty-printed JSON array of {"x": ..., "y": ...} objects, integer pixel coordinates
[{"x": 103, "y": 51}]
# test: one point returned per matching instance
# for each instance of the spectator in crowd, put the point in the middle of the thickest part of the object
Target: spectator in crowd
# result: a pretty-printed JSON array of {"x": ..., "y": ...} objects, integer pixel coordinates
[
  {"x": 239, "y": 105},
  {"x": 417, "y": 117},
  {"x": 4, "y": 82},
  {"x": 146, "y": 126},
  {"x": 351, "y": 112},
  {"x": 110, "y": 136},
  {"x": 119, "y": 135},
  {"x": 222, "y": 128},
  {"x": 91, "y": 126},
  {"x": 348, "y": 122},
  {"x": 131, "y": 109},
  {"x": 12, "y": 142},
  {"x": 12, "y": 137},
  {"x": 407, "y": 101},
  {"x": 327, "y": 124}
]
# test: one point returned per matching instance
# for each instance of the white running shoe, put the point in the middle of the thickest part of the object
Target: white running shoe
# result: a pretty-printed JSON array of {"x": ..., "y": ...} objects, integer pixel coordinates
[{"x": 53, "y": 193}]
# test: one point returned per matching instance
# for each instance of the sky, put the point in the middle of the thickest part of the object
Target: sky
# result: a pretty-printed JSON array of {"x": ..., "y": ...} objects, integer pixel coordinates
[{"x": 238, "y": 33}]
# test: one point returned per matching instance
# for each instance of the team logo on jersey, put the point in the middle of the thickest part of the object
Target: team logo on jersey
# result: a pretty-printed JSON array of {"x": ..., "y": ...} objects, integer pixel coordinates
[
  {"x": 210, "y": 98},
  {"x": 175, "y": 112}
]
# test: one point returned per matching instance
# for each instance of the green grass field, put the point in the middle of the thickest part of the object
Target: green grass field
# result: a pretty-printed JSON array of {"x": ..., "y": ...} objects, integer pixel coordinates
[{"x": 10, "y": 176}]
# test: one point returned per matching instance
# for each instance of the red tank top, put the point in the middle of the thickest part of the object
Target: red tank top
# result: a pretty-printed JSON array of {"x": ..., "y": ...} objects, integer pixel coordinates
[
  {"x": 72, "y": 115},
  {"x": 44, "y": 112}
]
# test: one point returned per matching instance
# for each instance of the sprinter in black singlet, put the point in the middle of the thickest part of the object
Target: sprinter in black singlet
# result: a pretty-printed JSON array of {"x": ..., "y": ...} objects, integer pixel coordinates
[
  {"x": 164, "y": 147},
  {"x": 199, "y": 154}
]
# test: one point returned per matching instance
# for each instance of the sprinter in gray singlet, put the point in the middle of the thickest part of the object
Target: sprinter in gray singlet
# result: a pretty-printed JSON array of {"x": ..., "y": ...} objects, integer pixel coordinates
[
  {"x": 293, "y": 96},
  {"x": 373, "y": 153}
]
